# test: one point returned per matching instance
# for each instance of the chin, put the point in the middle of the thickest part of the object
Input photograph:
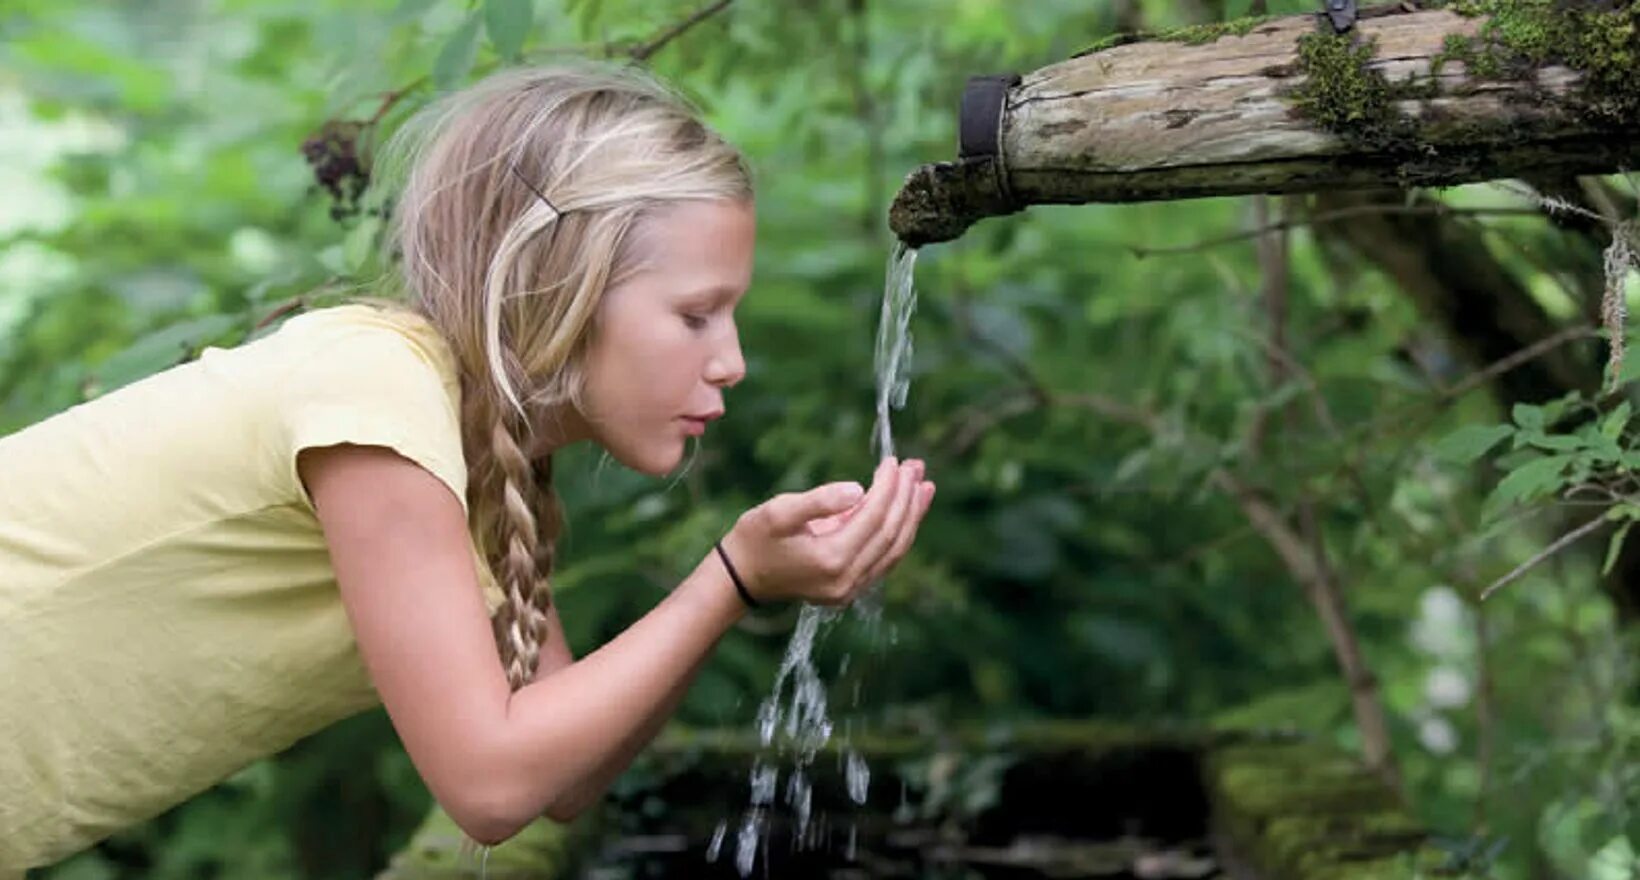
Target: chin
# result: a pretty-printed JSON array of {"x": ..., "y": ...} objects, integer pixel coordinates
[{"x": 650, "y": 462}]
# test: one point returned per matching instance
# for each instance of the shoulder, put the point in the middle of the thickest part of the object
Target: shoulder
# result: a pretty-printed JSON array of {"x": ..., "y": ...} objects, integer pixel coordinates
[
  {"x": 364, "y": 376},
  {"x": 364, "y": 330}
]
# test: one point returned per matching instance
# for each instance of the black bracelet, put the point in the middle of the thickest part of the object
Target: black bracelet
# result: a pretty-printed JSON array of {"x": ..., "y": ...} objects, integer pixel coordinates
[{"x": 740, "y": 586}]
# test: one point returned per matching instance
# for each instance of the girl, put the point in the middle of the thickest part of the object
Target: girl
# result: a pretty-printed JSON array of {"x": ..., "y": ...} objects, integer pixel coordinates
[{"x": 201, "y": 568}]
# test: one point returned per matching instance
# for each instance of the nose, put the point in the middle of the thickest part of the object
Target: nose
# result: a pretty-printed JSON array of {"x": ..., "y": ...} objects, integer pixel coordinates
[{"x": 727, "y": 367}]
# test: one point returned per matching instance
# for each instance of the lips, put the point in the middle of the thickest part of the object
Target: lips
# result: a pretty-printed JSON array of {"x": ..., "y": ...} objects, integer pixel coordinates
[{"x": 696, "y": 425}]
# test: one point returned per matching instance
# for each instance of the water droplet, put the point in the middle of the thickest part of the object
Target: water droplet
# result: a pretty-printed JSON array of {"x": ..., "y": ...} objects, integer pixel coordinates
[
  {"x": 717, "y": 840},
  {"x": 764, "y": 778},
  {"x": 799, "y": 794},
  {"x": 746, "y": 841},
  {"x": 859, "y": 777}
]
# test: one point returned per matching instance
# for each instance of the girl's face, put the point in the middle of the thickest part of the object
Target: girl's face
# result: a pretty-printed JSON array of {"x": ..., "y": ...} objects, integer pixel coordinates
[{"x": 665, "y": 345}]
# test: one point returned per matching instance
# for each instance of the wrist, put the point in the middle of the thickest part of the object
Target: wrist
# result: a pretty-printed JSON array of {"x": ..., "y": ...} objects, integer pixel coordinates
[
  {"x": 710, "y": 589},
  {"x": 734, "y": 575},
  {"x": 739, "y": 566}
]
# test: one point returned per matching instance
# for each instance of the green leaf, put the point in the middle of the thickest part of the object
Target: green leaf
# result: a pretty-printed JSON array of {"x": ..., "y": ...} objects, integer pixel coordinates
[
  {"x": 508, "y": 24},
  {"x": 457, "y": 56},
  {"x": 1527, "y": 416},
  {"x": 1131, "y": 464},
  {"x": 356, "y": 248},
  {"x": 1631, "y": 368},
  {"x": 166, "y": 347},
  {"x": 1615, "y": 547},
  {"x": 1470, "y": 442},
  {"x": 1555, "y": 442},
  {"x": 1615, "y": 421},
  {"x": 410, "y": 9},
  {"x": 1530, "y": 480}
]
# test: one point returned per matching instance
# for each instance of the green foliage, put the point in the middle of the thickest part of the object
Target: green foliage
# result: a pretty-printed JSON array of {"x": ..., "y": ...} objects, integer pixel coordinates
[
  {"x": 507, "y": 23},
  {"x": 1594, "y": 450}
]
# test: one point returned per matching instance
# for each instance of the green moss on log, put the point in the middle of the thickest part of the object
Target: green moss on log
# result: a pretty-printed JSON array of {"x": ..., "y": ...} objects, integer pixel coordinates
[
  {"x": 1311, "y": 812},
  {"x": 1342, "y": 93},
  {"x": 1199, "y": 34},
  {"x": 1521, "y": 36},
  {"x": 1193, "y": 35}
]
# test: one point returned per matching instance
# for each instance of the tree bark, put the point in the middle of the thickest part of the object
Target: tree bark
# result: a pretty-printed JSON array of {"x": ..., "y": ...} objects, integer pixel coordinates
[{"x": 1287, "y": 106}]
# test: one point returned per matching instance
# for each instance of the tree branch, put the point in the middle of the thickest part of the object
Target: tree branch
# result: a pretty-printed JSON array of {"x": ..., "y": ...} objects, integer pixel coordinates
[
  {"x": 1439, "y": 209},
  {"x": 1537, "y": 558},
  {"x": 643, "y": 51}
]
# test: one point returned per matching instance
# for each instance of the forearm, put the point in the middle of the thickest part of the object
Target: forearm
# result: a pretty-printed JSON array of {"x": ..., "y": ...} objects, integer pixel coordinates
[
  {"x": 586, "y": 792},
  {"x": 573, "y": 730}
]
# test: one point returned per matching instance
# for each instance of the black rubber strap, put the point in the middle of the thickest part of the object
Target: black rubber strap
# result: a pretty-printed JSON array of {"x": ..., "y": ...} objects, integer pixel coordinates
[
  {"x": 740, "y": 586},
  {"x": 980, "y": 119},
  {"x": 1342, "y": 14}
]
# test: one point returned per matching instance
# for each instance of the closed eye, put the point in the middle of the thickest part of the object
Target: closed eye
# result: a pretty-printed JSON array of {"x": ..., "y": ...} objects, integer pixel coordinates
[{"x": 694, "y": 322}]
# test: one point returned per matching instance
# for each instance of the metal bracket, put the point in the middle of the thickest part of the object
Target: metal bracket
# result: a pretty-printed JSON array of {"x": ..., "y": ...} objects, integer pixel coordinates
[{"x": 1342, "y": 13}]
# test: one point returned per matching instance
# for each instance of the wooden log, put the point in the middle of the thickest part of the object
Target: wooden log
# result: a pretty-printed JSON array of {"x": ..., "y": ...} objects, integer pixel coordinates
[
  {"x": 1407, "y": 97},
  {"x": 1284, "y": 805}
]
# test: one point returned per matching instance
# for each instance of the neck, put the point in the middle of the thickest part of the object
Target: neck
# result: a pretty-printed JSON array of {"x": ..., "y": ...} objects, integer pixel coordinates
[{"x": 554, "y": 428}]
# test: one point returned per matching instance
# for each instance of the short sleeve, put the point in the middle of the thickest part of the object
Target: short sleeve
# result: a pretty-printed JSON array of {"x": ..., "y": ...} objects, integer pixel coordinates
[{"x": 371, "y": 386}]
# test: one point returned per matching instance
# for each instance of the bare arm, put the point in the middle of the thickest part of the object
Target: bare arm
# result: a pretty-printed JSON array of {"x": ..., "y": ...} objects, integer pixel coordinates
[
  {"x": 589, "y": 791},
  {"x": 494, "y": 759},
  {"x": 617, "y": 721}
]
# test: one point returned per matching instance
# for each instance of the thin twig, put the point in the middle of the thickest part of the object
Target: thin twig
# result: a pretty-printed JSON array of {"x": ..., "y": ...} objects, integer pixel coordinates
[
  {"x": 294, "y": 304},
  {"x": 643, "y": 51},
  {"x": 1509, "y": 362},
  {"x": 1441, "y": 210},
  {"x": 1545, "y": 553}
]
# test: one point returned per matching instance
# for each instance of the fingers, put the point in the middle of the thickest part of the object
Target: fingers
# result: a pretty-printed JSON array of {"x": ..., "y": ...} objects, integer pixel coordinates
[
  {"x": 791, "y": 511},
  {"x": 852, "y": 538},
  {"x": 859, "y": 544},
  {"x": 882, "y": 539},
  {"x": 922, "y": 498},
  {"x": 828, "y": 524}
]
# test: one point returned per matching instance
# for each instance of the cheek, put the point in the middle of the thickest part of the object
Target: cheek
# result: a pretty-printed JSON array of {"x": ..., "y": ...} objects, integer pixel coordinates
[{"x": 643, "y": 373}]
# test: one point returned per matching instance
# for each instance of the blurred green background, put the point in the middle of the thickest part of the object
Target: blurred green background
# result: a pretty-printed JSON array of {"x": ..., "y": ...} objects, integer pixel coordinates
[{"x": 154, "y": 199}]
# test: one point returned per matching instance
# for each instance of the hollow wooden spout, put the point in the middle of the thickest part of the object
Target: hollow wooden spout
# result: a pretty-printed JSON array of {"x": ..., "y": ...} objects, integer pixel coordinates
[{"x": 1476, "y": 90}]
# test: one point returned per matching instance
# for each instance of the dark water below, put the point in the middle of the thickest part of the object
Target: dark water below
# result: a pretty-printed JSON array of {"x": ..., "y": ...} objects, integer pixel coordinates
[{"x": 1139, "y": 818}]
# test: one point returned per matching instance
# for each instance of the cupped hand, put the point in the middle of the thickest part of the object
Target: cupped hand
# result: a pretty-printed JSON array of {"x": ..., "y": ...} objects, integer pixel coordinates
[{"x": 828, "y": 544}]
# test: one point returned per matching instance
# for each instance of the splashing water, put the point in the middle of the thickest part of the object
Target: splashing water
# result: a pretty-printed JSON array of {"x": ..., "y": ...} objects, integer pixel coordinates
[{"x": 802, "y": 712}]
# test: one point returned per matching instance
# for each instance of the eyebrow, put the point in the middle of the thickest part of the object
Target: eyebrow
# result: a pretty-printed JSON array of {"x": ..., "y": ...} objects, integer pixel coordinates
[{"x": 717, "y": 294}]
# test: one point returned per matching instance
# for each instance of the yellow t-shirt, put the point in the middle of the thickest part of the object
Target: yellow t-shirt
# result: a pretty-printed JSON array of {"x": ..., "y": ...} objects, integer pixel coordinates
[{"x": 168, "y": 611}]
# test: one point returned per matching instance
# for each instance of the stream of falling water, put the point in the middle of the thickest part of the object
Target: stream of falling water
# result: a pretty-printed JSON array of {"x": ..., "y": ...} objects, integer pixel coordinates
[{"x": 796, "y": 707}]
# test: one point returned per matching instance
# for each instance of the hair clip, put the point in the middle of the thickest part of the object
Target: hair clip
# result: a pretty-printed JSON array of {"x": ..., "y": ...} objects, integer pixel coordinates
[{"x": 540, "y": 195}]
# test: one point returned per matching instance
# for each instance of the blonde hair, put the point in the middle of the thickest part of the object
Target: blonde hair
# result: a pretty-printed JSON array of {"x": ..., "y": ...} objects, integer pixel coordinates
[{"x": 521, "y": 199}]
